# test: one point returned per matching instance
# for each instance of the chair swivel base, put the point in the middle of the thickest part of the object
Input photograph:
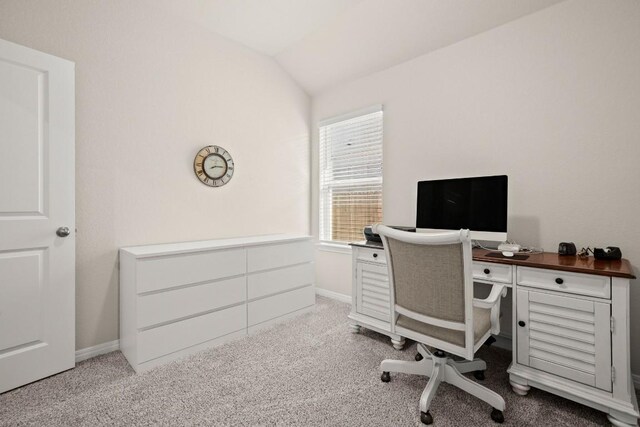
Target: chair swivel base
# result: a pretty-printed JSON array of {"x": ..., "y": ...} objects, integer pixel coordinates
[{"x": 440, "y": 368}]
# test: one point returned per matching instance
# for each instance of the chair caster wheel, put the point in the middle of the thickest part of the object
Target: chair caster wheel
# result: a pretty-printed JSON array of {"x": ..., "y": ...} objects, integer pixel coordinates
[
  {"x": 385, "y": 377},
  {"x": 497, "y": 416},
  {"x": 426, "y": 418},
  {"x": 479, "y": 375},
  {"x": 419, "y": 357}
]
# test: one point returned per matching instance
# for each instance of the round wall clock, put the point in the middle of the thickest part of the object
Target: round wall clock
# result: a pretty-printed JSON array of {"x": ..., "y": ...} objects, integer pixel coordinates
[{"x": 213, "y": 166}]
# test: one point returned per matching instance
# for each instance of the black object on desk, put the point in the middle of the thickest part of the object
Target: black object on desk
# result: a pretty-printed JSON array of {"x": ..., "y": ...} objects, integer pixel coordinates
[
  {"x": 610, "y": 252},
  {"x": 370, "y": 236},
  {"x": 565, "y": 248}
]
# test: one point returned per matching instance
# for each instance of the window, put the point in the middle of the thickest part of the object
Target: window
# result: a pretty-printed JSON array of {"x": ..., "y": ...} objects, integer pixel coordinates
[{"x": 350, "y": 175}]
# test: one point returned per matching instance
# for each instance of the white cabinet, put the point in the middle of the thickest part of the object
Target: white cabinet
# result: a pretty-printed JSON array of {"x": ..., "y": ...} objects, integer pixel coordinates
[
  {"x": 566, "y": 336},
  {"x": 370, "y": 307},
  {"x": 179, "y": 298}
]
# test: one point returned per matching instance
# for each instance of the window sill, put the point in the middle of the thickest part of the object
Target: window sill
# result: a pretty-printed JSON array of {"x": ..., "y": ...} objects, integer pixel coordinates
[{"x": 340, "y": 248}]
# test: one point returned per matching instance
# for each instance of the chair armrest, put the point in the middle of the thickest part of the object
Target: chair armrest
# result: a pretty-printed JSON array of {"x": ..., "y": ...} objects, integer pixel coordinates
[
  {"x": 493, "y": 302},
  {"x": 497, "y": 291}
]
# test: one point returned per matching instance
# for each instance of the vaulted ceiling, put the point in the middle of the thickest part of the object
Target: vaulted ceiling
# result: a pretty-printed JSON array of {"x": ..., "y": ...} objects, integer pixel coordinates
[{"x": 322, "y": 43}]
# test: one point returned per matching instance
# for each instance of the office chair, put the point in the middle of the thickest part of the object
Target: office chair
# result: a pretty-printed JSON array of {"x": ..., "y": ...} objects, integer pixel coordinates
[{"x": 432, "y": 303}]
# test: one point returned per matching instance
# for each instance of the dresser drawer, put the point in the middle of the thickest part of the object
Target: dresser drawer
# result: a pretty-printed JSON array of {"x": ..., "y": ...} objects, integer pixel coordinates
[
  {"x": 280, "y": 255},
  {"x": 283, "y": 279},
  {"x": 372, "y": 255},
  {"x": 563, "y": 281},
  {"x": 278, "y": 305},
  {"x": 157, "y": 342},
  {"x": 492, "y": 272},
  {"x": 183, "y": 302},
  {"x": 154, "y": 274}
]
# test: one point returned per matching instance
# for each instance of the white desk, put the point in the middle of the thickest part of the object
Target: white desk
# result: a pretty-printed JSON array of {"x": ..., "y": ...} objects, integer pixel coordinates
[{"x": 570, "y": 322}]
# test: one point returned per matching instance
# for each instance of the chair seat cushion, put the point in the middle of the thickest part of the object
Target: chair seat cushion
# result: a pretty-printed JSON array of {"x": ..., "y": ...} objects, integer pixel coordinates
[{"x": 481, "y": 320}]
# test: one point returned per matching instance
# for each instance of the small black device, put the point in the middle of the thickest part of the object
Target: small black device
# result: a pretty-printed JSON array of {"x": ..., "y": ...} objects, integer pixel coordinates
[
  {"x": 609, "y": 253},
  {"x": 370, "y": 236},
  {"x": 567, "y": 248}
]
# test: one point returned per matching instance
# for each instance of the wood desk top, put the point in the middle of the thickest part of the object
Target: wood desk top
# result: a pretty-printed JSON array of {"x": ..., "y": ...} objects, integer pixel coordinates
[
  {"x": 549, "y": 260},
  {"x": 553, "y": 261}
]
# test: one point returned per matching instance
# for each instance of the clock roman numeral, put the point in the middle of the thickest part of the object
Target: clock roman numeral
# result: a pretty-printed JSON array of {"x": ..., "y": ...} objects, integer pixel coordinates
[
  {"x": 200, "y": 172},
  {"x": 207, "y": 150},
  {"x": 199, "y": 164},
  {"x": 215, "y": 149}
]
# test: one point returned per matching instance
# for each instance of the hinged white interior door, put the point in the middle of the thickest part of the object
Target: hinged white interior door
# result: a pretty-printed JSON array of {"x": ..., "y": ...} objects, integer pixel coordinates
[{"x": 37, "y": 254}]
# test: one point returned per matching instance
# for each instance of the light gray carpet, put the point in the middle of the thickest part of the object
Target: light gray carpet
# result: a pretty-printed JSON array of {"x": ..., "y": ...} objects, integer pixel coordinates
[{"x": 307, "y": 371}]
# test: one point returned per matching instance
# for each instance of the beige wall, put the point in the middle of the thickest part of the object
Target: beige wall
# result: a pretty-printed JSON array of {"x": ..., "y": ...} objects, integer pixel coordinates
[
  {"x": 151, "y": 90},
  {"x": 552, "y": 100}
]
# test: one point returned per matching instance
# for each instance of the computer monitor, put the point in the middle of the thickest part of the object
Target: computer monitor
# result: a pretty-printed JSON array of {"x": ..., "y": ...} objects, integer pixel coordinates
[{"x": 478, "y": 204}]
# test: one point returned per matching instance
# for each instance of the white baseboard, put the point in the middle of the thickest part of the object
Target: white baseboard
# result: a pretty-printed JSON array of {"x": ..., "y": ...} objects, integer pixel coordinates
[
  {"x": 333, "y": 295},
  {"x": 97, "y": 350}
]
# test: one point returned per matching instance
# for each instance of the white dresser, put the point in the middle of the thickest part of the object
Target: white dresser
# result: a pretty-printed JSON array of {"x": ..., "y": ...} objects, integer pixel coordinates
[
  {"x": 179, "y": 298},
  {"x": 570, "y": 322}
]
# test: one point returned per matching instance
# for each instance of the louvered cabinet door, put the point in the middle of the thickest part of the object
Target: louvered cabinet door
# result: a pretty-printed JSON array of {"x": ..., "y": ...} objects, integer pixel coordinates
[
  {"x": 565, "y": 336},
  {"x": 373, "y": 291}
]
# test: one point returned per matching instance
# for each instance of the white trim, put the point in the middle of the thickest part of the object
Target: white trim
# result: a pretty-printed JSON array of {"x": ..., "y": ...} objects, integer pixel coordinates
[
  {"x": 340, "y": 248},
  {"x": 333, "y": 295},
  {"x": 350, "y": 115},
  {"x": 97, "y": 350}
]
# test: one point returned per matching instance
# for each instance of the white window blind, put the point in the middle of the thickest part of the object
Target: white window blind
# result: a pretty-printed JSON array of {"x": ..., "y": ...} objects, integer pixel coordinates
[{"x": 350, "y": 175}]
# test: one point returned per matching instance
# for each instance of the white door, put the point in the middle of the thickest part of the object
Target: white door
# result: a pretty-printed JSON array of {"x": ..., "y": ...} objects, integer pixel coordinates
[{"x": 37, "y": 267}]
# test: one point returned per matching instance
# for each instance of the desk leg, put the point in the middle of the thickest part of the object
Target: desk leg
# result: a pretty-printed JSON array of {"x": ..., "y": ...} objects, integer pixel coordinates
[
  {"x": 398, "y": 343},
  {"x": 618, "y": 419},
  {"x": 517, "y": 387}
]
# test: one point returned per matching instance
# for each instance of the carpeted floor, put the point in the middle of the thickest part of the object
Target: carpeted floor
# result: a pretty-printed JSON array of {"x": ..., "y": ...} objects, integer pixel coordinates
[{"x": 307, "y": 371}]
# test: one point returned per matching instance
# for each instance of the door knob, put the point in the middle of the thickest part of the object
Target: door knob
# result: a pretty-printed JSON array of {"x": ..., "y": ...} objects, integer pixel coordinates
[
  {"x": 63, "y": 231},
  {"x": 521, "y": 323}
]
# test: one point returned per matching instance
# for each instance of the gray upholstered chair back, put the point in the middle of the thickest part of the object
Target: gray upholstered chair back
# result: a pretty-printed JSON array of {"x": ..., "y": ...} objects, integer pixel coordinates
[
  {"x": 428, "y": 279},
  {"x": 431, "y": 288}
]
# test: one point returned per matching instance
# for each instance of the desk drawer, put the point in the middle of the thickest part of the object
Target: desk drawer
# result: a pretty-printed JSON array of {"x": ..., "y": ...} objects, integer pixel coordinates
[
  {"x": 563, "y": 281},
  {"x": 492, "y": 272},
  {"x": 372, "y": 255}
]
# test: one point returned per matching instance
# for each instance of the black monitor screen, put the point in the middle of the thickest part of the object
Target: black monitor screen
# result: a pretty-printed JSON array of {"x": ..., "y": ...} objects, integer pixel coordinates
[{"x": 478, "y": 204}]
